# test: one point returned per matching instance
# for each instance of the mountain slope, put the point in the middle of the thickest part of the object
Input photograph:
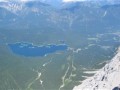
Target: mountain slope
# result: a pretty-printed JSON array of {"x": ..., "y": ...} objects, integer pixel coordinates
[
  {"x": 75, "y": 16},
  {"x": 106, "y": 78}
]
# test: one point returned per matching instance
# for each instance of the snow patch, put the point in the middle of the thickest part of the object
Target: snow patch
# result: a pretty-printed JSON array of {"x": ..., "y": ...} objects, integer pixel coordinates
[{"x": 105, "y": 13}]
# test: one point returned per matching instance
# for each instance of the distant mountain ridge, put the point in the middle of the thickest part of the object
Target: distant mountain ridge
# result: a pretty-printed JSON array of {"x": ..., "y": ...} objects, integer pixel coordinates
[{"x": 70, "y": 16}]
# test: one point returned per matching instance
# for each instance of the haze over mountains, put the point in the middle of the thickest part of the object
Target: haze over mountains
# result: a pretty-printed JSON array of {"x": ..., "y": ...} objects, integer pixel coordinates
[
  {"x": 89, "y": 29},
  {"x": 44, "y": 9},
  {"x": 57, "y": 3},
  {"x": 18, "y": 13}
]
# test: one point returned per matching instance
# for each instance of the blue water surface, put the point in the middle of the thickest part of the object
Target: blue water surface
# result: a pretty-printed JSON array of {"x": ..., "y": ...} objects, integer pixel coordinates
[{"x": 30, "y": 50}]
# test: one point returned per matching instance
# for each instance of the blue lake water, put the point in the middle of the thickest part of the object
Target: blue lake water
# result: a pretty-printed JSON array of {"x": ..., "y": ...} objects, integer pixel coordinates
[{"x": 30, "y": 50}]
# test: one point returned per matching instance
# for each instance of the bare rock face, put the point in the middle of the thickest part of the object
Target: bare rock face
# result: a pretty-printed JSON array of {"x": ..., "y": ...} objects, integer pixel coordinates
[{"x": 107, "y": 78}]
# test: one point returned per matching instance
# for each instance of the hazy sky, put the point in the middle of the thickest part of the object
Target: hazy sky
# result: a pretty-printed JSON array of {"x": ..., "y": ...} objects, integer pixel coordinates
[
  {"x": 64, "y": 0},
  {"x": 46, "y": 0},
  {"x": 17, "y": 0},
  {"x": 72, "y": 0}
]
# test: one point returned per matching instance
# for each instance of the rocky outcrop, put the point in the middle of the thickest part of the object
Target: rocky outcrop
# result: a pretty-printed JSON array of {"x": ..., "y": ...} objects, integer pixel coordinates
[{"x": 107, "y": 78}]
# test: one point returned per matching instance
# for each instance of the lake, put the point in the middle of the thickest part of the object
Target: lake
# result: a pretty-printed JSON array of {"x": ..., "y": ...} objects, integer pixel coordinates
[{"x": 30, "y": 50}]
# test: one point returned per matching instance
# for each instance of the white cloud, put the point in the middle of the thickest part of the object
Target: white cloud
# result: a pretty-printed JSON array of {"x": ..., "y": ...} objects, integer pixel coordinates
[
  {"x": 108, "y": 1},
  {"x": 73, "y": 0},
  {"x": 26, "y": 0}
]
